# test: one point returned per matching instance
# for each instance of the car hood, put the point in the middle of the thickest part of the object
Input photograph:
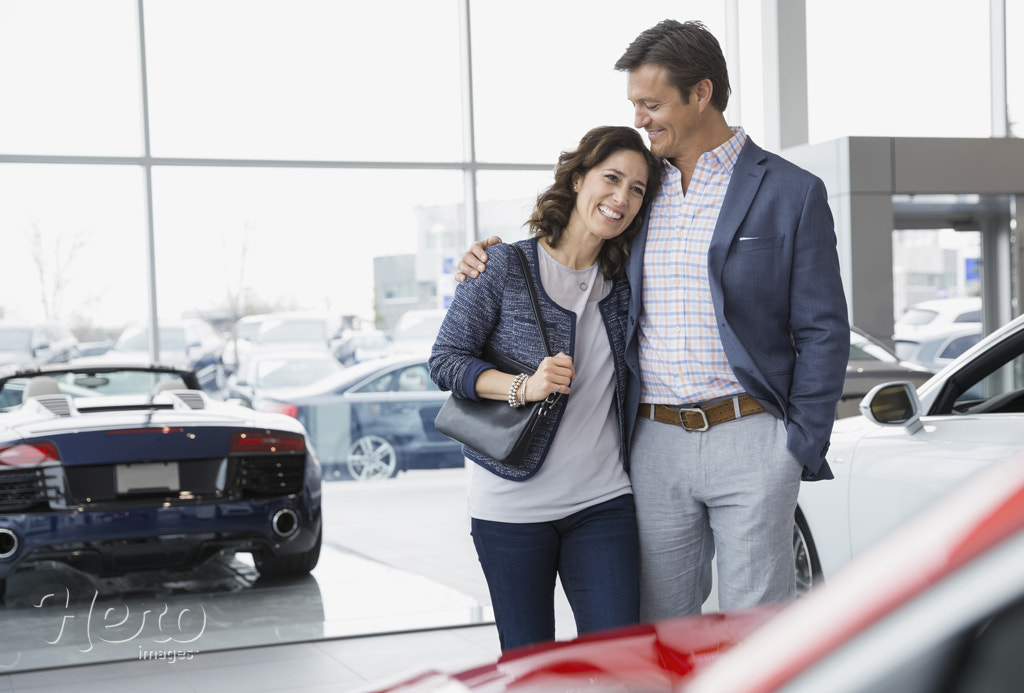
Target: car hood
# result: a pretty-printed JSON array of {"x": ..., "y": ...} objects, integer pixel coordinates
[{"x": 649, "y": 657}]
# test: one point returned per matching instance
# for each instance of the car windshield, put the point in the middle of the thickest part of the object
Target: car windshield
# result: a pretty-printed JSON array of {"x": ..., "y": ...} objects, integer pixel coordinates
[
  {"x": 863, "y": 349},
  {"x": 14, "y": 338},
  {"x": 370, "y": 341},
  {"x": 414, "y": 325},
  {"x": 969, "y": 316},
  {"x": 137, "y": 339},
  {"x": 83, "y": 383},
  {"x": 247, "y": 329},
  {"x": 292, "y": 331},
  {"x": 918, "y": 316},
  {"x": 285, "y": 372}
]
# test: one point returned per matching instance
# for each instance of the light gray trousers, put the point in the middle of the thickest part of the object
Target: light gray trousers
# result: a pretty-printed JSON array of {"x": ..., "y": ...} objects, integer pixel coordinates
[{"x": 732, "y": 490}]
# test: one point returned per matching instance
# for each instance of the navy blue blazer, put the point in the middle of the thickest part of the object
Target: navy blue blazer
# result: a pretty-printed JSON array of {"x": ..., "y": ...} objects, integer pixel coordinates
[{"x": 773, "y": 268}]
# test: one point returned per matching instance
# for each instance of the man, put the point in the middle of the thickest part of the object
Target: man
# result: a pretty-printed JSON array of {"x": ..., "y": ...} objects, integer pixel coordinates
[{"x": 737, "y": 339}]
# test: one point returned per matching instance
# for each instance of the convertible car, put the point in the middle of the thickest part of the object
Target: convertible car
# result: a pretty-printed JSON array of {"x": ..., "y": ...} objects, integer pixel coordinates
[{"x": 113, "y": 469}]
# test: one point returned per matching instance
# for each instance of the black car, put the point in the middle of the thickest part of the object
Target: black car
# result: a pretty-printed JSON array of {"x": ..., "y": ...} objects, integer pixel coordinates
[{"x": 373, "y": 419}]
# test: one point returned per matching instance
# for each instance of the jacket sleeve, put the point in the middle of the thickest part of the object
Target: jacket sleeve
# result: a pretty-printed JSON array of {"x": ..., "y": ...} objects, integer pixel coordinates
[
  {"x": 456, "y": 359},
  {"x": 821, "y": 334}
]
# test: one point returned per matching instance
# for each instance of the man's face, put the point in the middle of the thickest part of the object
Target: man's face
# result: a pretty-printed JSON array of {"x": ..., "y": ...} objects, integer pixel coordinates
[{"x": 659, "y": 110}]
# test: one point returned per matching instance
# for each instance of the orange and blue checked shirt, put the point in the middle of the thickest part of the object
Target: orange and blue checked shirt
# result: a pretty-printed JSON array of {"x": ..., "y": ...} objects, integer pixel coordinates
[{"x": 681, "y": 355}]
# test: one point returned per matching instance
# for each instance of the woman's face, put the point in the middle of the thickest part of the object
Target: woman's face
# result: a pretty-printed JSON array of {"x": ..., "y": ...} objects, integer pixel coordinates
[{"x": 610, "y": 194}]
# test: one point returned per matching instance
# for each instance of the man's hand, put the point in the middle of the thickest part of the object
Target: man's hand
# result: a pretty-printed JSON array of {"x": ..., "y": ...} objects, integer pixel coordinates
[{"x": 475, "y": 260}]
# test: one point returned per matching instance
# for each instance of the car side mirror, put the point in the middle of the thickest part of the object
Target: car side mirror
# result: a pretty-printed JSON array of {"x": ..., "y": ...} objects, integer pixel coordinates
[{"x": 893, "y": 404}]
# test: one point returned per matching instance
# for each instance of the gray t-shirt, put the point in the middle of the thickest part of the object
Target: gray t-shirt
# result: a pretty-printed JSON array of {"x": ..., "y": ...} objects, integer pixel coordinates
[{"x": 583, "y": 466}]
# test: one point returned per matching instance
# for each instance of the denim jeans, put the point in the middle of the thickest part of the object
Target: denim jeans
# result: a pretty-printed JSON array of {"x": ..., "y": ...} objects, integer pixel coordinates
[{"x": 594, "y": 552}]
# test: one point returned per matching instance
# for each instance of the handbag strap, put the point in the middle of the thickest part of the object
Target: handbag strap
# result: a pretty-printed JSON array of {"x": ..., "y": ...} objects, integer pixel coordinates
[{"x": 533, "y": 296}]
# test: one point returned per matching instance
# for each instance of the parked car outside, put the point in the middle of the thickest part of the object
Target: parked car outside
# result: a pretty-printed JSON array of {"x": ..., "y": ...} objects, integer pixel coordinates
[
  {"x": 28, "y": 343},
  {"x": 278, "y": 373},
  {"x": 871, "y": 363},
  {"x": 936, "y": 351},
  {"x": 911, "y": 447},
  {"x": 373, "y": 420},
  {"x": 191, "y": 343},
  {"x": 113, "y": 468},
  {"x": 937, "y": 606},
  {"x": 292, "y": 331},
  {"x": 359, "y": 346},
  {"x": 926, "y": 325},
  {"x": 416, "y": 331},
  {"x": 237, "y": 344}
]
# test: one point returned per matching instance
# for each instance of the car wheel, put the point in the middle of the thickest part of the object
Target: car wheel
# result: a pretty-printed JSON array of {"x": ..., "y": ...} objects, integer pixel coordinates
[
  {"x": 805, "y": 556},
  {"x": 270, "y": 564},
  {"x": 372, "y": 457}
]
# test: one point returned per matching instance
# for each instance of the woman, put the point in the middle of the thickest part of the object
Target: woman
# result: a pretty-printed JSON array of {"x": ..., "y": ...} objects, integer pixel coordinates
[{"x": 568, "y": 511}]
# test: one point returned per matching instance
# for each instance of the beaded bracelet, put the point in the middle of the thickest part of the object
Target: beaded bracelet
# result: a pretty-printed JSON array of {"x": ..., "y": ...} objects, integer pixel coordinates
[{"x": 513, "y": 399}]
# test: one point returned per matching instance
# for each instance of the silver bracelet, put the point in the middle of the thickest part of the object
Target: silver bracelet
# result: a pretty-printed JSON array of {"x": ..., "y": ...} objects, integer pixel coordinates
[
  {"x": 522, "y": 391},
  {"x": 513, "y": 399}
]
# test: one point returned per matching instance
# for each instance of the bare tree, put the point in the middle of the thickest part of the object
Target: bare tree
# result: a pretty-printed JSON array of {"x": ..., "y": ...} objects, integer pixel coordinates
[{"x": 53, "y": 263}]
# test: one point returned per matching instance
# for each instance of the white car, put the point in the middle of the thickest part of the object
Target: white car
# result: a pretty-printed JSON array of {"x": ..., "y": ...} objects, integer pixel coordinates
[
  {"x": 932, "y": 333},
  {"x": 909, "y": 448}
]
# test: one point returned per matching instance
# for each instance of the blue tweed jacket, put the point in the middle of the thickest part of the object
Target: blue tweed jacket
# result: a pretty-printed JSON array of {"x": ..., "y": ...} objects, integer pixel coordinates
[{"x": 493, "y": 315}]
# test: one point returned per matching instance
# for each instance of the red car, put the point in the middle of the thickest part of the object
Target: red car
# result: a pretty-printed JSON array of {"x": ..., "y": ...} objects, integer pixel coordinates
[{"x": 938, "y": 605}]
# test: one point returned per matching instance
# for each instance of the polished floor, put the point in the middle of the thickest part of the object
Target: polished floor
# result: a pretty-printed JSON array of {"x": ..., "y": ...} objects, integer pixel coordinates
[{"x": 398, "y": 591}]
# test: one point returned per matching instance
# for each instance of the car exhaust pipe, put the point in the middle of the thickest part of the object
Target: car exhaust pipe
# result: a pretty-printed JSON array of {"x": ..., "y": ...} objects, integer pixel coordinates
[
  {"x": 8, "y": 543},
  {"x": 285, "y": 523}
]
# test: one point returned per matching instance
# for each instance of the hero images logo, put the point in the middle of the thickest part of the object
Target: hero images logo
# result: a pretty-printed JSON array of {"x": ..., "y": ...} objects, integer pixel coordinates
[{"x": 161, "y": 631}]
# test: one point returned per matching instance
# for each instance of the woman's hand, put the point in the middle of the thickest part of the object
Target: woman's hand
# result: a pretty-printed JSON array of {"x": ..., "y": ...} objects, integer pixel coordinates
[{"x": 554, "y": 375}]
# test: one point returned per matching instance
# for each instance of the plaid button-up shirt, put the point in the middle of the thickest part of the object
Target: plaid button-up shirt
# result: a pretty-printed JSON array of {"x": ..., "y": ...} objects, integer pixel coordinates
[{"x": 681, "y": 355}]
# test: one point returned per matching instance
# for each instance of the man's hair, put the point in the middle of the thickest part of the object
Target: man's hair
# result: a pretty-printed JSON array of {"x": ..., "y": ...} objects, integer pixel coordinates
[
  {"x": 687, "y": 51},
  {"x": 555, "y": 204}
]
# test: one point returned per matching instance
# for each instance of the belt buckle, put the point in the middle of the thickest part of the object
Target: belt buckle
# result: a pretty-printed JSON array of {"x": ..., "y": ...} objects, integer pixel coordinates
[{"x": 700, "y": 411}]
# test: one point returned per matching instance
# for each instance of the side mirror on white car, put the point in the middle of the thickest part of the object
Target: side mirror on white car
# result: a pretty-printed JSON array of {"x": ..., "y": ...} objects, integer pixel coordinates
[{"x": 893, "y": 404}]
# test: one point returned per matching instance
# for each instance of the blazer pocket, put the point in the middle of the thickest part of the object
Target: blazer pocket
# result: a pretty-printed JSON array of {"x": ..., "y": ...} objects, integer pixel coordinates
[{"x": 746, "y": 244}]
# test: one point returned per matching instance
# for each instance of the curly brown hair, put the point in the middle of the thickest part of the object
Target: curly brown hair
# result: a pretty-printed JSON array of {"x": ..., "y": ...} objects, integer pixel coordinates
[{"x": 550, "y": 215}]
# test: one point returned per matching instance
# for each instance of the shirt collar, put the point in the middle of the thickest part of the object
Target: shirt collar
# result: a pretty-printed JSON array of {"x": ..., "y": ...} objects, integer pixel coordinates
[
  {"x": 728, "y": 152},
  {"x": 724, "y": 154}
]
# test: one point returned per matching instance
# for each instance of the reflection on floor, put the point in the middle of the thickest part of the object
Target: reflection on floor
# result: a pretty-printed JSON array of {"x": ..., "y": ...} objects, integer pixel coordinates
[
  {"x": 398, "y": 590},
  {"x": 55, "y": 616}
]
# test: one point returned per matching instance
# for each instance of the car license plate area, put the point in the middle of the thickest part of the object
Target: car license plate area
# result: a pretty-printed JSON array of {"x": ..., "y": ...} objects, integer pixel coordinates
[{"x": 147, "y": 477}]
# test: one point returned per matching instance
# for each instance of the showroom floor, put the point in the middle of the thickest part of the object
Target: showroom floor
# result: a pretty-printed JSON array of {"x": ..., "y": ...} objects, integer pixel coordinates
[{"x": 398, "y": 591}]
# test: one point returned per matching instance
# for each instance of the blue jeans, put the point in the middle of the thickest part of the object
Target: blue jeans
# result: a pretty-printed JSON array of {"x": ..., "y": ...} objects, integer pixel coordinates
[{"x": 595, "y": 552}]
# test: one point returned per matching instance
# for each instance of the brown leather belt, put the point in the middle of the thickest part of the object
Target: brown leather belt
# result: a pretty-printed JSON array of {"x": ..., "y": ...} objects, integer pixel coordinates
[{"x": 702, "y": 417}]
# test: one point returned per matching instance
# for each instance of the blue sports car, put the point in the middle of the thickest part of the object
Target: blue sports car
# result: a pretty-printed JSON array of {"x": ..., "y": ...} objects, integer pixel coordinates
[{"x": 119, "y": 468}]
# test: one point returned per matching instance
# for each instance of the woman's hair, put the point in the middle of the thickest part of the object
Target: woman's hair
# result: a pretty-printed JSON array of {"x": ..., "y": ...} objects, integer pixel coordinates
[
  {"x": 688, "y": 52},
  {"x": 555, "y": 204}
]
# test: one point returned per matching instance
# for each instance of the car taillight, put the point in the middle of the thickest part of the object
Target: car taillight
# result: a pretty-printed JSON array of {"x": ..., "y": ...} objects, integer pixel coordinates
[
  {"x": 280, "y": 408},
  {"x": 266, "y": 442},
  {"x": 28, "y": 454}
]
